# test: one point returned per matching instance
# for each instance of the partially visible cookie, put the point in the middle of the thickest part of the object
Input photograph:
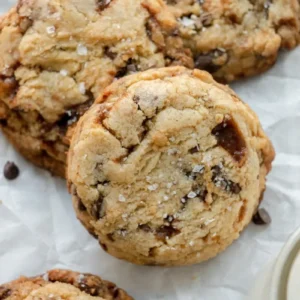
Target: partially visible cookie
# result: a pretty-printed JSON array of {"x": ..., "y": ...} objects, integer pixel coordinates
[
  {"x": 168, "y": 167},
  {"x": 237, "y": 38},
  {"x": 56, "y": 56},
  {"x": 62, "y": 284}
]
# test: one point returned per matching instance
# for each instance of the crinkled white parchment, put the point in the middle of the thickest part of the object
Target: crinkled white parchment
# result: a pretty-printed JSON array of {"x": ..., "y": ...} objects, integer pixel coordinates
[{"x": 39, "y": 230}]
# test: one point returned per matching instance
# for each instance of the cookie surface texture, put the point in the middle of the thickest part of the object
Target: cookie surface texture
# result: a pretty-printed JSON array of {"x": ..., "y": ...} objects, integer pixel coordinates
[
  {"x": 58, "y": 55},
  {"x": 62, "y": 284},
  {"x": 168, "y": 167},
  {"x": 237, "y": 38}
]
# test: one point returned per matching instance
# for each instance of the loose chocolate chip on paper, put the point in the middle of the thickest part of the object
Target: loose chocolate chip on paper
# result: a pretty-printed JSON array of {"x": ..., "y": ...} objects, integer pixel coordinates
[
  {"x": 11, "y": 171},
  {"x": 261, "y": 217}
]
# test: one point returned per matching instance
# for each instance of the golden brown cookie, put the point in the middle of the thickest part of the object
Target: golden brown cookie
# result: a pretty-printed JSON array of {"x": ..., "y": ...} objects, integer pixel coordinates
[
  {"x": 237, "y": 38},
  {"x": 58, "y": 55},
  {"x": 62, "y": 284},
  {"x": 168, "y": 167}
]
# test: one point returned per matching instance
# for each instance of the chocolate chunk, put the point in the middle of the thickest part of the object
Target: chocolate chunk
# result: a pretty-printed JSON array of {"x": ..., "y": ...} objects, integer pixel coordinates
[
  {"x": 205, "y": 62},
  {"x": 165, "y": 232},
  {"x": 103, "y": 246},
  {"x": 5, "y": 293},
  {"x": 97, "y": 208},
  {"x": 80, "y": 205},
  {"x": 102, "y": 4},
  {"x": 194, "y": 150},
  {"x": 11, "y": 171},
  {"x": 109, "y": 53},
  {"x": 72, "y": 115},
  {"x": 225, "y": 184},
  {"x": 145, "y": 227},
  {"x": 230, "y": 138},
  {"x": 261, "y": 217},
  {"x": 110, "y": 236}
]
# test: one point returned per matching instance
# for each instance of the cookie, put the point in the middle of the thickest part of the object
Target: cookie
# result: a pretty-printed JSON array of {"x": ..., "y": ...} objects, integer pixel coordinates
[
  {"x": 168, "y": 167},
  {"x": 237, "y": 38},
  {"x": 56, "y": 57},
  {"x": 62, "y": 284}
]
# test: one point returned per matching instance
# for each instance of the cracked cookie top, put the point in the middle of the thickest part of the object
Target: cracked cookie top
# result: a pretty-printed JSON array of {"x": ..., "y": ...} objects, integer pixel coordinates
[
  {"x": 56, "y": 56},
  {"x": 237, "y": 38},
  {"x": 62, "y": 284},
  {"x": 167, "y": 167}
]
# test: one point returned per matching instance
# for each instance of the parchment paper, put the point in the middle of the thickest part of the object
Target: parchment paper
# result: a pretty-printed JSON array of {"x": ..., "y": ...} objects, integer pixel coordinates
[{"x": 39, "y": 230}]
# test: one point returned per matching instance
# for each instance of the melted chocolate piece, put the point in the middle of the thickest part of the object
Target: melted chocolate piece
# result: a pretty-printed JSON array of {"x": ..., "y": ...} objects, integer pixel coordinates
[
  {"x": 230, "y": 138},
  {"x": 224, "y": 183},
  {"x": 97, "y": 208},
  {"x": 102, "y": 4},
  {"x": 145, "y": 227},
  {"x": 165, "y": 232}
]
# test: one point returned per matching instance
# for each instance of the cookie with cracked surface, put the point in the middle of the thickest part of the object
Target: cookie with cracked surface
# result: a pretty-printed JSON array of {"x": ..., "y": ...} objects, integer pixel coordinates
[
  {"x": 168, "y": 167},
  {"x": 58, "y": 55},
  {"x": 62, "y": 284},
  {"x": 237, "y": 38}
]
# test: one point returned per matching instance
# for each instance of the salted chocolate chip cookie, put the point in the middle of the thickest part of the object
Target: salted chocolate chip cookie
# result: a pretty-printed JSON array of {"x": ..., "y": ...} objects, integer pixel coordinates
[
  {"x": 168, "y": 167},
  {"x": 237, "y": 38},
  {"x": 62, "y": 284},
  {"x": 56, "y": 56}
]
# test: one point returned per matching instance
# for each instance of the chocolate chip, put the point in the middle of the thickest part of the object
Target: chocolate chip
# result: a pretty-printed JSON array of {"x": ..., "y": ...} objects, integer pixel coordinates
[
  {"x": 221, "y": 182},
  {"x": 110, "y": 236},
  {"x": 80, "y": 205},
  {"x": 97, "y": 208},
  {"x": 230, "y": 138},
  {"x": 109, "y": 53},
  {"x": 261, "y": 217},
  {"x": 102, "y": 4},
  {"x": 11, "y": 171},
  {"x": 145, "y": 227},
  {"x": 103, "y": 246},
  {"x": 5, "y": 293},
  {"x": 165, "y": 232},
  {"x": 194, "y": 150}
]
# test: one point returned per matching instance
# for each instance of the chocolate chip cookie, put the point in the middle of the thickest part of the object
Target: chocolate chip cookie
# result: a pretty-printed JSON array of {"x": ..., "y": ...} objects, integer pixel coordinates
[
  {"x": 168, "y": 167},
  {"x": 62, "y": 284},
  {"x": 237, "y": 38},
  {"x": 57, "y": 55}
]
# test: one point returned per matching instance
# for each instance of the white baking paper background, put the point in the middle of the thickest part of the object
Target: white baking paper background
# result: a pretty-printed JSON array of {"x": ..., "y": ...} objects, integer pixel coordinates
[{"x": 39, "y": 230}]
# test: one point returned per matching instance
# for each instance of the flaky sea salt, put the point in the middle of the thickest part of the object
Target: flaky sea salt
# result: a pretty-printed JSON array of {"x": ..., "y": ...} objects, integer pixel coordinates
[
  {"x": 82, "y": 88},
  {"x": 153, "y": 187},
  {"x": 172, "y": 151},
  {"x": 166, "y": 198},
  {"x": 198, "y": 169},
  {"x": 187, "y": 21},
  {"x": 172, "y": 139},
  {"x": 192, "y": 195},
  {"x": 191, "y": 243},
  {"x": 50, "y": 29},
  {"x": 64, "y": 72},
  {"x": 169, "y": 185},
  {"x": 82, "y": 50},
  {"x": 209, "y": 221},
  {"x": 122, "y": 198},
  {"x": 183, "y": 200},
  {"x": 165, "y": 216},
  {"x": 80, "y": 278},
  {"x": 46, "y": 277}
]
